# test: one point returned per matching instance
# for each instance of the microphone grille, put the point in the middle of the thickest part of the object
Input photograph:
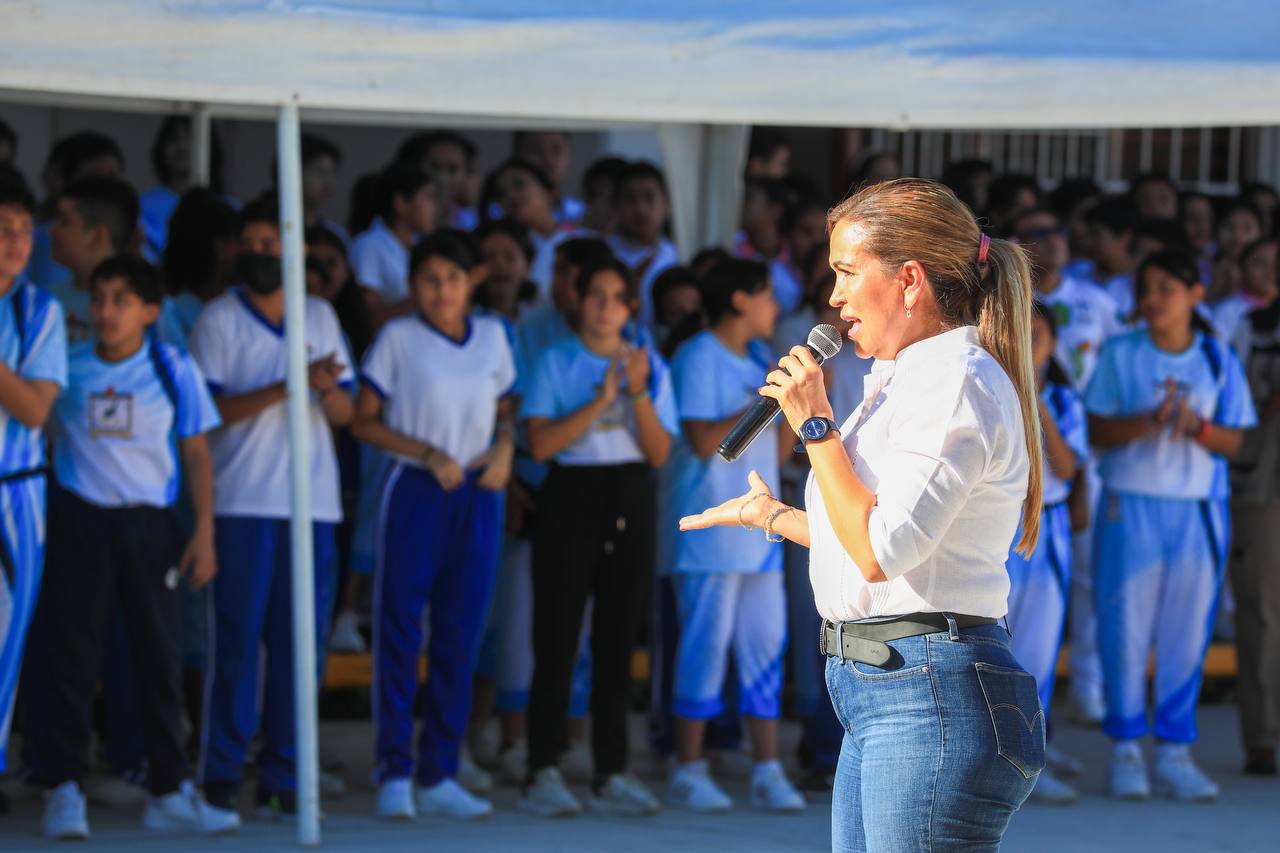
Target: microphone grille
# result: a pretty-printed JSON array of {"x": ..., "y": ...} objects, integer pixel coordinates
[{"x": 825, "y": 339}]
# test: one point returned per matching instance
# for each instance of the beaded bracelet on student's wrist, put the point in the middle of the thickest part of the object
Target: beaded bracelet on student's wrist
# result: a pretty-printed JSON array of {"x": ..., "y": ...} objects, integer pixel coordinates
[{"x": 640, "y": 395}]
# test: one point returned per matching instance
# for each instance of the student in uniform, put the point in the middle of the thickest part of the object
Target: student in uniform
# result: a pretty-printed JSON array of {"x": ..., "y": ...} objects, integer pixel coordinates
[
  {"x": 171, "y": 161},
  {"x": 407, "y": 211},
  {"x": 80, "y": 155},
  {"x": 1085, "y": 316},
  {"x": 509, "y": 640},
  {"x": 729, "y": 585},
  {"x": 507, "y": 254},
  {"x": 240, "y": 346},
  {"x": 1259, "y": 288},
  {"x": 1239, "y": 226},
  {"x": 603, "y": 410},
  {"x": 523, "y": 192},
  {"x": 1111, "y": 223},
  {"x": 96, "y": 218},
  {"x": 435, "y": 396},
  {"x": 764, "y": 208},
  {"x": 33, "y": 367},
  {"x": 1167, "y": 405},
  {"x": 199, "y": 258},
  {"x": 321, "y": 160},
  {"x": 640, "y": 241},
  {"x": 677, "y": 308},
  {"x": 450, "y": 159},
  {"x": 134, "y": 414},
  {"x": 548, "y": 150},
  {"x": 1039, "y": 585},
  {"x": 598, "y": 185}
]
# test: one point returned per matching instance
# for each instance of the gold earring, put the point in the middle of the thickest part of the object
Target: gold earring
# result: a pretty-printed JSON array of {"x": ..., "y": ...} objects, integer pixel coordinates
[{"x": 908, "y": 313}]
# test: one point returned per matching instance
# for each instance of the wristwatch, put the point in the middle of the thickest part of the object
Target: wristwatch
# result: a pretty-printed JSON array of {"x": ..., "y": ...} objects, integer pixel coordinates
[{"x": 816, "y": 429}]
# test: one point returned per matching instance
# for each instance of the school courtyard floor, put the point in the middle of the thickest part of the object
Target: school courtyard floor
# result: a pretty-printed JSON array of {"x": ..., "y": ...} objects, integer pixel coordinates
[{"x": 1246, "y": 818}]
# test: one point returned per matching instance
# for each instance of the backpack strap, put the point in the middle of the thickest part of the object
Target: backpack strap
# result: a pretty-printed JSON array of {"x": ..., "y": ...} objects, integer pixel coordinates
[
  {"x": 1213, "y": 357},
  {"x": 20, "y": 322},
  {"x": 164, "y": 371}
]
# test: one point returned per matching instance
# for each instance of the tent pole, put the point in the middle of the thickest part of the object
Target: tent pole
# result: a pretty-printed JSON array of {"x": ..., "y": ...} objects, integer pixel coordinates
[
  {"x": 289, "y": 156},
  {"x": 202, "y": 146}
]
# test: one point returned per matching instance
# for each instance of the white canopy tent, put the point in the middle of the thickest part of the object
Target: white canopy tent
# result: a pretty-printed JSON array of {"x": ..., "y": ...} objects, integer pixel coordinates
[{"x": 701, "y": 71}]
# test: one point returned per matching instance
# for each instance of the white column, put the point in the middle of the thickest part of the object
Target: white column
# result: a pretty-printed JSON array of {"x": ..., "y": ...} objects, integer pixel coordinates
[
  {"x": 289, "y": 156},
  {"x": 201, "y": 146},
  {"x": 724, "y": 160},
  {"x": 682, "y": 147}
]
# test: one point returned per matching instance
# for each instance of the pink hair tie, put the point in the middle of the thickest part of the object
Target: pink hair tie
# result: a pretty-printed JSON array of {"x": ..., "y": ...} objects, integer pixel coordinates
[{"x": 983, "y": 245}]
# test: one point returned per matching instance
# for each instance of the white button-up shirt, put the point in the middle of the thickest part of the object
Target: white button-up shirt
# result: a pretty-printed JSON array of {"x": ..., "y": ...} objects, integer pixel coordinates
[{"x": 939, "y": 439}]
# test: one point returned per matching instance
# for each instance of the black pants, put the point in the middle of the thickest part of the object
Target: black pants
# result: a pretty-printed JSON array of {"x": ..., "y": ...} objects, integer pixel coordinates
[
  {"x": 594, "y": 536},
  {"x": 95, "y": 555}
]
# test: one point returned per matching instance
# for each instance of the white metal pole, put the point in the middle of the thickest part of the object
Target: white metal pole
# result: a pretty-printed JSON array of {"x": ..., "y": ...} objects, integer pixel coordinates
[
  {"x": 289, "y": 156},
  {"x": 202, "y": 146}
]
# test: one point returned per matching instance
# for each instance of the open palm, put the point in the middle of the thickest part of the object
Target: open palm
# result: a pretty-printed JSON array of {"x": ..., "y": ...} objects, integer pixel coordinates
[{"x": 732, "y": 512}]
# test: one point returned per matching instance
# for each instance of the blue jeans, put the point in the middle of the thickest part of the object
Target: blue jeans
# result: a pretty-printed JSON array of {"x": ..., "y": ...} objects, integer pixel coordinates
[{"x": 941, "y": 745}]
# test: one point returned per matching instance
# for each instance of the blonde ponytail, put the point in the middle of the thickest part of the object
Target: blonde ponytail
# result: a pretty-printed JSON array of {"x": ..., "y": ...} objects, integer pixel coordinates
[
  {"x": 916, "y": 219},
  {"x": 1004, "y": 327}
]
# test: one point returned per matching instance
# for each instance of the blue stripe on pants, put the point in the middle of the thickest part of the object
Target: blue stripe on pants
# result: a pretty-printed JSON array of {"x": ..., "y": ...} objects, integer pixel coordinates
[
  {"x": 252, "y": 608},
  {"x": 1038, "y": 595},
  {"x": 440, "y": 550},
  {"x": 22, "y": 508},
  {"x": 1158, "y": 567}
]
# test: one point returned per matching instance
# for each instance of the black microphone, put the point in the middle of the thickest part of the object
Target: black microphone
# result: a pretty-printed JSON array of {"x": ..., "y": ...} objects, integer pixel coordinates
[{"x": 824, "y": 342}]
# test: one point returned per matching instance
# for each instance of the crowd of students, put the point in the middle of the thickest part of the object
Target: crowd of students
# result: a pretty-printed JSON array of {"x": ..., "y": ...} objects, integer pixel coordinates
[{"x": 514, "y": 394}]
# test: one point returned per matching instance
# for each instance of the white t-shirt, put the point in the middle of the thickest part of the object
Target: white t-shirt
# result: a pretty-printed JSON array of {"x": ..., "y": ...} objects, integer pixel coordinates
[
  {"x": 1131, "y": 379},
  {"x": 939, "y": 439},
  {"x": 565, "y": 379},
  {"x": 114, "y": 425},
  {"x": 1086, "y": 316},
  {"x": 713, "y": 383},
  {"x": 1230, "y": 319},
  {"x": 441, "y": 391},
  {"x": 380, "y": 262},
  {"x": 240, "y": 351}
]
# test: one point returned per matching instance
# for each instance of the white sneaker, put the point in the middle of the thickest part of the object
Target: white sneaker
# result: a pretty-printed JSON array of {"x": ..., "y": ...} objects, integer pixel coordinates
[
  {"x": 577, "y": 764},
  {"x": 772, "y": 791},
  {"x": 624, "y": 794},
  {"x": 548, "y": 796},
  {"x": 395, "y": 799},
  {"x": 470, "y": 776},
  {"x": 64, "y": 816},
  {"x": 1178, "y": 777},
  {"x": 345, "y": 638},
  {"x": 447, "y": 798},
  {"x": 513, "y": 762},
  {"x": 693, "y": 789},
  {"x": 1129, "y": 772},
  {"x": 186, "y": 811},
  {"x": 1052, "y": 790},
  {"x": 115, "y": 791},
  {"x": 1061, "y": 763}
]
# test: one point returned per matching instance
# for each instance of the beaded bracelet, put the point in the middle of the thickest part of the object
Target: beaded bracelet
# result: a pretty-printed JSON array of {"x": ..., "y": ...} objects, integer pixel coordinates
[{"x": 768, "y": 524}]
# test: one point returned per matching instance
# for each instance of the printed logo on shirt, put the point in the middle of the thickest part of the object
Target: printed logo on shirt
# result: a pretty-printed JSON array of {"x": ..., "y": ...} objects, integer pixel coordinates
[{"x": 111, "y": 415}]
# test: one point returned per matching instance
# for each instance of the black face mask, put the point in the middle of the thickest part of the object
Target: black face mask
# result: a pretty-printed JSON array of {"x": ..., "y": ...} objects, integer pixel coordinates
[{"x": 262, "y": 274}]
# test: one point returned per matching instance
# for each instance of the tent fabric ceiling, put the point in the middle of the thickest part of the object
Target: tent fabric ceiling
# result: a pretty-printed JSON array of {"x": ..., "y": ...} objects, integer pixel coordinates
[{"x": 935, "y": 63}]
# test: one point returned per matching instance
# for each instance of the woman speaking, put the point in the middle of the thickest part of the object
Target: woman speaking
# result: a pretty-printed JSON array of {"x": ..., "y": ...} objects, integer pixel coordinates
[{"x": 911, "y": 506}]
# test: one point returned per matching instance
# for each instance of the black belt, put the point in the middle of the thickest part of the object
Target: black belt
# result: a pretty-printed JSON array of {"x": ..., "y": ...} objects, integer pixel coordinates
[
  {"x": 24, "y": 474},
  {"x": 867, "y": 642}
]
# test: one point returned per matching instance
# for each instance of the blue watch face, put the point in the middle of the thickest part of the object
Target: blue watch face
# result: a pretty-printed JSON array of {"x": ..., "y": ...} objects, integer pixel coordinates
[{"x": 814, "y": 429}]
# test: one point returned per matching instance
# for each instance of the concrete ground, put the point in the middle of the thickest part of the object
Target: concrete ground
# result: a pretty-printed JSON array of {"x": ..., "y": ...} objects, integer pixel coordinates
[{"x": 1247, "y": 818}]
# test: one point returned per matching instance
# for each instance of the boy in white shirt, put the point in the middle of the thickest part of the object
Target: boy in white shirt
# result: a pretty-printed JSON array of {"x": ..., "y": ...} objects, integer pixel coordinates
[
  {"x": 239, "y": 343},
  {"x": 643, "y": 205}
]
